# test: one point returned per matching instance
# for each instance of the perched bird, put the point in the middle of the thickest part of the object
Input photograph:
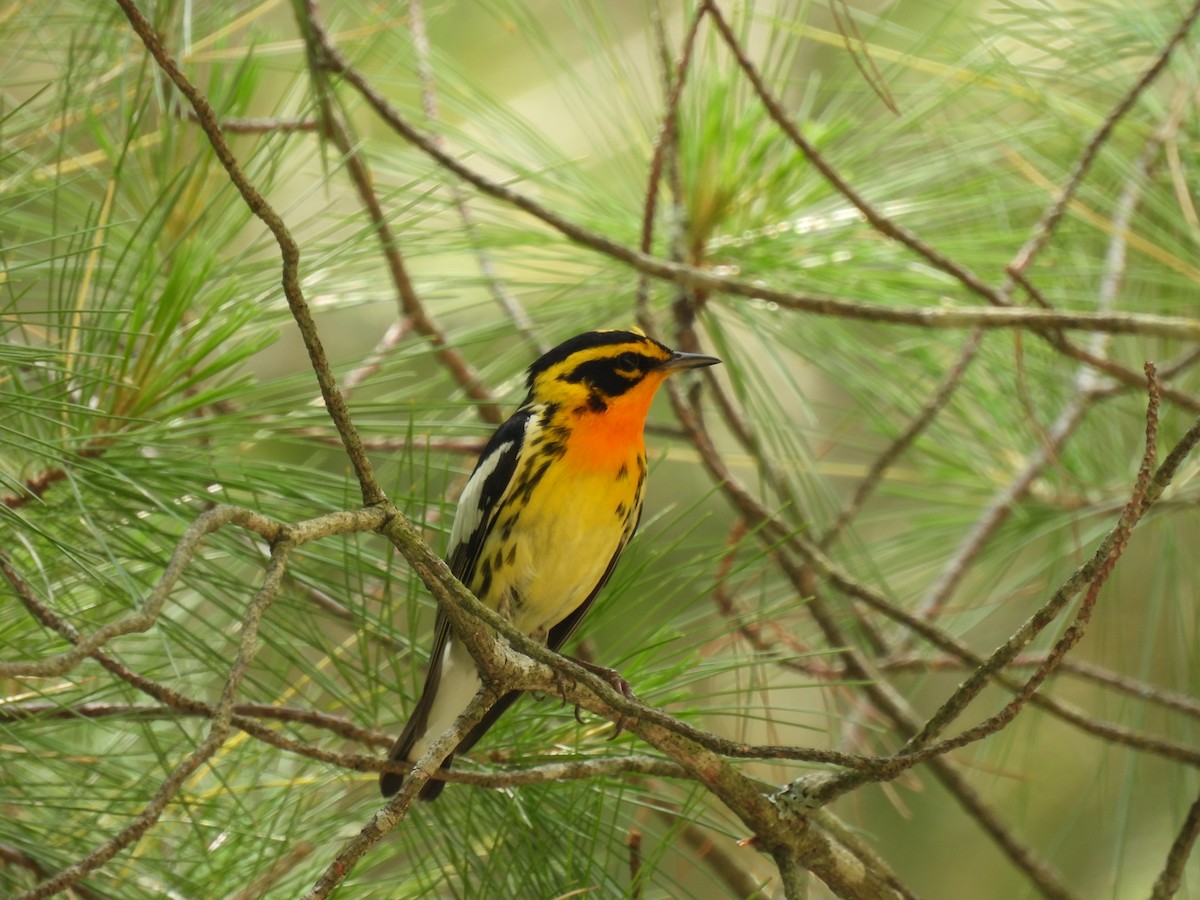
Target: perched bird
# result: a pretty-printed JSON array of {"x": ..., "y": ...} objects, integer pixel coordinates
[{"x": 554, "y": 499}]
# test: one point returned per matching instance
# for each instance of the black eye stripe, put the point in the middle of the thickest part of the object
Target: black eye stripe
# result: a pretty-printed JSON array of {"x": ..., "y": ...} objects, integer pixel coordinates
[{"x": 611, "y": 376}]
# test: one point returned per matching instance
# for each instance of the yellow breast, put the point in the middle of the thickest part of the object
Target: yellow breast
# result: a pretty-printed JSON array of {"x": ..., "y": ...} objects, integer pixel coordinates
[{"x": 545, "y": 557}]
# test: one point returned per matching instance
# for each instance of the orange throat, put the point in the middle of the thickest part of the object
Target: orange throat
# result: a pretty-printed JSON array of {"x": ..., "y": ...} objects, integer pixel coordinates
[{"x": 614, "y": 437}]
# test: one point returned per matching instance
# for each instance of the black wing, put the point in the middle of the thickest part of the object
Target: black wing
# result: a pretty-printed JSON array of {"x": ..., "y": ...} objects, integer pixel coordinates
[
  {"x": 473, "y": 521},
  {"x": 481, "y": 497}
]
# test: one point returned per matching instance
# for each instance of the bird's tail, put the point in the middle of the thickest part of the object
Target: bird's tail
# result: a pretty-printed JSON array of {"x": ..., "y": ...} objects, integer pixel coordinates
[
  {"x": 450, "y": 685},
  {"x": 402, "y": 750}
]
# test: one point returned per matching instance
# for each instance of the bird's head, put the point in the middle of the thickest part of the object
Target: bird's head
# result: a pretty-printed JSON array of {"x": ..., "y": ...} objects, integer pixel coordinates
[{"x": 602, "y": 370}]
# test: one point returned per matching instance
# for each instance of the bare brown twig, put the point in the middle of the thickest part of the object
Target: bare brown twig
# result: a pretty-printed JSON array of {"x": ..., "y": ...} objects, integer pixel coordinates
[
  {"x": 1044, "y": 229},
  {"x": 429, "y": 102},
  {"x": 280, "y": 125},
  {"x": 14, "y": 856},
  {"x": 1168, "y": 881},
  {"x": 412, "y": 308},
  {"x": 664, "y": 146},
  {"x": 936, "y": 403},
  {"x": 288, "y": 249}
]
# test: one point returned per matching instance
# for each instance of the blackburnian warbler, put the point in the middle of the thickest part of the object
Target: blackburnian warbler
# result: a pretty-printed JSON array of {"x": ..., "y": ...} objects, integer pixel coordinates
[{"x": 554, "y": 499}]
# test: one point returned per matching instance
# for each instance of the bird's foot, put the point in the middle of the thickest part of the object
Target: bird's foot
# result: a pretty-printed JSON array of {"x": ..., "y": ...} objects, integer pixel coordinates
[{"x": 615, "y": 680}]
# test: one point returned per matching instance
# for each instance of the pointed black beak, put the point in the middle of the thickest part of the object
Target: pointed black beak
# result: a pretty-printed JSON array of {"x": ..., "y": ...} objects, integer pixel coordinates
[{"x": 680, "y": 361}]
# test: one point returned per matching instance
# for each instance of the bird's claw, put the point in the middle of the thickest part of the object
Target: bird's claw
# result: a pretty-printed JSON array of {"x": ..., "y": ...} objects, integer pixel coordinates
[{"x": 616, "y": 682}]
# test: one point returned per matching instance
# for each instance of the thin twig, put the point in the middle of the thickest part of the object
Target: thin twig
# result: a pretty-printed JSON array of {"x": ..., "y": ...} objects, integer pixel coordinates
[
  {"x": 1044, "y": 229},
  {"x": 296, "y": 854},
  {"x": 735, "y": 877},
  {"x": 35, "y": 487},
  {"x": 468, "y": 446},
  {"x": 851, "y": 36},
  {"x": 1176, "y": 700},
  {"x": 665, "y": 144},
  {"x": 14, "y": 856},
  {"x": 395, "y": 334},
  {"x": 1000, "y": 508},
  {"x": 412, "y": 308},
  {"x": 289, "y": 251},
  {"x": 268, "y": 125},
  {"x": 397, "y": 808},
  {"x": 429, "y": 102},
  {"x": 344, "y": 728},
  {"x": 934, "y": 405},
  {"x": 634, "y": 843},
  {"x": 1167, "y": 883}
]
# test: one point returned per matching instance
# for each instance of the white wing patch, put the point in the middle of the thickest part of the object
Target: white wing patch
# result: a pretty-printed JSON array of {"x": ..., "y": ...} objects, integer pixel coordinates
[{"x": 470, "y": 510}]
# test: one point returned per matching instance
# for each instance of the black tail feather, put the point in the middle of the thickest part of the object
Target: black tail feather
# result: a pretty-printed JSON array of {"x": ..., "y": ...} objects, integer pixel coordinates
[{"x": 389, "y": 782}]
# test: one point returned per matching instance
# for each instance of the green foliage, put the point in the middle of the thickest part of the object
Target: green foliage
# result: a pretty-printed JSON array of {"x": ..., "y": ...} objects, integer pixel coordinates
[{"x": 149, "y": 368}]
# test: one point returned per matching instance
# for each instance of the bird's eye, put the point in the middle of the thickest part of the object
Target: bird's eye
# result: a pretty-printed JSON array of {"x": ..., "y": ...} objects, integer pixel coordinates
[{"x": 628, "y": 361}]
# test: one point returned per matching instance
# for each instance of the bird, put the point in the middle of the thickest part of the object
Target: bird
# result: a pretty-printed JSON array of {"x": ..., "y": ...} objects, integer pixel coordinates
[{"x": 552, "y": 502}]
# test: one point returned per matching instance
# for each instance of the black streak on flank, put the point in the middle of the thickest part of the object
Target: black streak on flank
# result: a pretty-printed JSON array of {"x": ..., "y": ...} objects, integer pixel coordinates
[
  {"x": 485, "y": 579},
  {"x": 525, "y": 488},
  {"x": 622, "y": 510},
  {"x": 623, "y": 472},
  {"x": 515, "y": 601}
]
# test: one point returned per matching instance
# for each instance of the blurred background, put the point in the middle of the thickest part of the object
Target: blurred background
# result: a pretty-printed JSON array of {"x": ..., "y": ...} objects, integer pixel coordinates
[{"x": 149, "y": 367}]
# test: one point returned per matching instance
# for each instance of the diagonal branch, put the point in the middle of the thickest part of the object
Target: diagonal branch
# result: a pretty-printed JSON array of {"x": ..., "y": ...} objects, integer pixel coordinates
[
  {"x": 289, "y": 250},
  {"x": 412, "y": 309},
  {"x": 1168, "y": 881},
  {"x": 217, "y": 735},
  {"x": 1045, "y": 227}
]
